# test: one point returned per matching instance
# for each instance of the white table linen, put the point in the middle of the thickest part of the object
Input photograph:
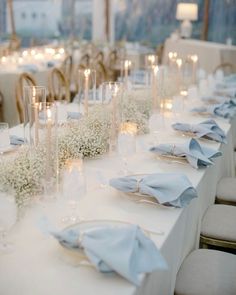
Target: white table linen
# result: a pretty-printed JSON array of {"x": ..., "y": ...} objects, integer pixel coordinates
[
  {"x": 210, "y": 54},
  {"x": 39, "y": 265}
]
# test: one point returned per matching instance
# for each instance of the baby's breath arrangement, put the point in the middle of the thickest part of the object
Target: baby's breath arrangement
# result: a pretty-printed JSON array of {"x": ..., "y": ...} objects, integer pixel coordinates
[
  {"x": 22, "y": 173},
  {"x": 142, "y": 99},
  {"x": 89, "y": 137}
]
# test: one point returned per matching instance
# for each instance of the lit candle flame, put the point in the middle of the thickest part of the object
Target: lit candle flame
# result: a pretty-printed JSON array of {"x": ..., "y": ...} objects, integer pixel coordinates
[
  {"x": 179, "y": 62},
  {"x": 194, "y": 58},
  {"x": 87, "y": 73},
  {"x": 127, "y": 64}
]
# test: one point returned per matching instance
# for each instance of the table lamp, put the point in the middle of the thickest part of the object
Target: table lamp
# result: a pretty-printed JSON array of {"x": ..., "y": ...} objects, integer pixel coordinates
[{"x": 186, "y": 12}]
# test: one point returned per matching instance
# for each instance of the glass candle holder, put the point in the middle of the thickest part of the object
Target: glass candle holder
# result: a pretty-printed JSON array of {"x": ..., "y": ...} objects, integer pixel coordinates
[
  {"x": 87, "y": 87},
  {"x": 32, "y": 95},
  {"x": 74, "y": 188},
  {"x": 112, "y": 93},
  {"x": 194, "y": 59},
  {"x": 43, "y": 143},
  {"x": 126, "y": 66}
]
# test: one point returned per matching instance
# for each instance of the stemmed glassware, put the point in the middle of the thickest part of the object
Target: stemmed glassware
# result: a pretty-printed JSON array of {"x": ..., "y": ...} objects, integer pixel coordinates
[
  {"x": 74, "y": 188},
  {"x": 127, "y": 144}
]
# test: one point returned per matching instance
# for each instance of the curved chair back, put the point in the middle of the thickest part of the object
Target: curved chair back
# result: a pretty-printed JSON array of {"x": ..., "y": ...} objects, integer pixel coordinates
[
  {"x": 85, "y": 60},
  {"x": 101, "y": 73},
  {"x": 58, "y": 86},
  {"x": 25, "y": 79},
  {"x": 112, "y": 58},
  {"x": 67, "y": 68},
  {"x": 99, "y": 57},
  {"x": 227, "y": 68}
]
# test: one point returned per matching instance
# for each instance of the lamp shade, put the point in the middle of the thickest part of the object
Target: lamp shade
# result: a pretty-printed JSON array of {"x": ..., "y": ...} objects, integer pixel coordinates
[{"x": 187, "y": 11}]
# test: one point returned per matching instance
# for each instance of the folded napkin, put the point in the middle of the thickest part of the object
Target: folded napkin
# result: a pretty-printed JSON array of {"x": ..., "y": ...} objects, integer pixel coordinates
[
  {"x": 74, "y": 115},
  {"x": 169, "y": 189},
  {"x": 196, "y": 155},
  {"x": 225, "y": 110},
  {"x": 208, "y": 129},
  {"x": 122, "y": 249},
  {"x": 16, "y": 140}
]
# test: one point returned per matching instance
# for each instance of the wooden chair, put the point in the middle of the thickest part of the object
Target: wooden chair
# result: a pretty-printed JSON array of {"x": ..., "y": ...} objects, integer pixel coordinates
[
  {"x": 226, "y": 191},
  {"x": 159, "y": 52},
  {"x": 74, "y": 88},
  {"x": 101, "y": 73},
  {"x": 67, "y": 68},
  {"x": 99, "y": 57},
  {"x": 1, "y": 107},
  {"x": 219, "y": 227},
  {"x": 207, "y": 272},
  {"x": 227, "y": 68},
  {"x": 58, "y": 86},
  {"x": 85, "y": 60},
  {"x": 113, "y": 67},
  {"x": 25, "y": 79}
]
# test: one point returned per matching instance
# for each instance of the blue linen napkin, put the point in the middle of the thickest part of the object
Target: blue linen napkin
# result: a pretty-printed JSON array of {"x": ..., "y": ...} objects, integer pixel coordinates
[
  {"x": 74, "y": 115},
  {"x": 16, "y": 140},
  {"x": 122, "y": 249},
  {"x": 208, "y": 129},
  {"x": 196, "y": 155},
  {"x": 169, "y": 189},
  {"x": 225, "y": 110}
]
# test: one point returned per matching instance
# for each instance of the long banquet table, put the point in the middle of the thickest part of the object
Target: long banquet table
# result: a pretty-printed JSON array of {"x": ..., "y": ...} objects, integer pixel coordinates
[{"x": 38, "y": 265}]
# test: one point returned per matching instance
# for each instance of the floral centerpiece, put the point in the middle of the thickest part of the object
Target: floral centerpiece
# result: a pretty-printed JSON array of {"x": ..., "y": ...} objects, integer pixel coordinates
[{"x": 22, "y": 173}]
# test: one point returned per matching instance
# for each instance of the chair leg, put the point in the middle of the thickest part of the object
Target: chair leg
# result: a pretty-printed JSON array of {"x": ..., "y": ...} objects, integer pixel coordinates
[{"x": 203, "y": 245}]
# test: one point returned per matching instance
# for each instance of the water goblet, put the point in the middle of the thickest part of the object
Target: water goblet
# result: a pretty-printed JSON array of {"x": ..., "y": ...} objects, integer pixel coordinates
[{"x": 74, "y": 188}]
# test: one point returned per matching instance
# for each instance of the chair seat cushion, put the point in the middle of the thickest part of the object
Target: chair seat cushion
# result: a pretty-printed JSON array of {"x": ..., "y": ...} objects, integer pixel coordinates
[
  {"x": 226, "y": 189},
  {"x": 207, "y": 272},
  {"x": 219, "y": 222}
]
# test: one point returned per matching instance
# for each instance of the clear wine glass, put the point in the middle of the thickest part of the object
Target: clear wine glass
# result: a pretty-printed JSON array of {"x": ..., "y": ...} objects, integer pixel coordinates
[
  {"x": 156, "y": 126},
  {"x": 8, "y": 217},
  {"x": 74, "y": 188},
  {"x": 126, "y": 149}
]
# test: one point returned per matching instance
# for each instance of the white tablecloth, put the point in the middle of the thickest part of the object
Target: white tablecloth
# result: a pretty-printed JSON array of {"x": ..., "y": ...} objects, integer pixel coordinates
[
  {"x": 39, "y": 266},
  {"x": 210, "y": 54}
]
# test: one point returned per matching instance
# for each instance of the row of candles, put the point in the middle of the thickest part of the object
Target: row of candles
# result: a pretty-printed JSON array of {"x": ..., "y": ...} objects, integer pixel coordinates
[
  {"x": 37, "y": 100},
  {"x": 33, "y": 55}
]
